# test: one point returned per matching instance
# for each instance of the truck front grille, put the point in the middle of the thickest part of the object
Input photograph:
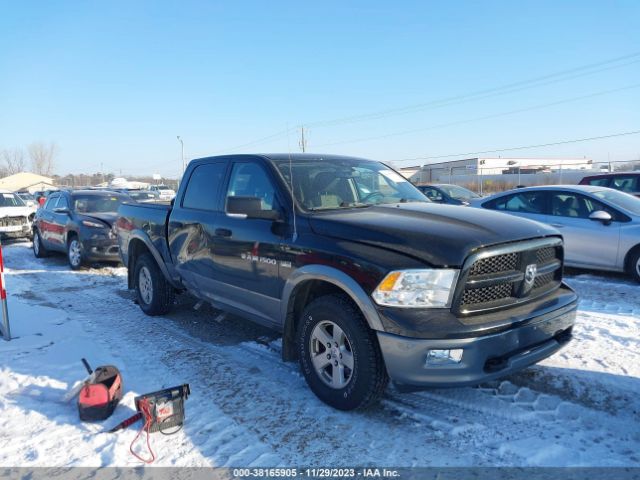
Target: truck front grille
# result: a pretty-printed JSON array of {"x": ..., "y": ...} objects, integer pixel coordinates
[
  {"x": 13, "y": 221},
  {"x": 502, "y": 276}
]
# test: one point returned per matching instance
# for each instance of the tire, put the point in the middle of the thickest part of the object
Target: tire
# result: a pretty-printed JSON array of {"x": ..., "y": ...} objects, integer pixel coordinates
[
  {"x": 634, "y": 265},
  {"x": 360, "y": 377},
  {"x": 74, "y": 253},
  {"x": 38, "y": 248},
  {"x": 154, "y": 293}
]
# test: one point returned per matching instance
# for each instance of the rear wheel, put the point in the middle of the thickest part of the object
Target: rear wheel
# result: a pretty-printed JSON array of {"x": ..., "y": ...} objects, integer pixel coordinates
[
  {"x": 634, "y": 265},
  {"x": 154, "y": 293},
  {"x": 38, "y": 248},
  {"x": 74, "y": 253},
  {"x": 339, "y": 354}
]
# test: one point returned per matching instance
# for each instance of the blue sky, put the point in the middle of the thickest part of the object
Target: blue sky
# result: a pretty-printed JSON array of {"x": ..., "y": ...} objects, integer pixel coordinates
[{"x": 113, "y": 83}]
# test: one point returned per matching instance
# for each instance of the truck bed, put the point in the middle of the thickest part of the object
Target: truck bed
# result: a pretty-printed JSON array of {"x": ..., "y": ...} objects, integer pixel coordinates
[{"x": 152, "y": 219}]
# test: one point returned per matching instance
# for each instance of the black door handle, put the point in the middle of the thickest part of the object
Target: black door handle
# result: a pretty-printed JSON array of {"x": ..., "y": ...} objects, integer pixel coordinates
[{"x": 223, "y": 232}]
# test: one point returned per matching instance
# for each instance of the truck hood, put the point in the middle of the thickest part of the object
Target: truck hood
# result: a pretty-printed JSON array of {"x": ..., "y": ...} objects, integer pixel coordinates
[
  {"x": 15, "y": 211},
  {"x": 440, "y": 235}
]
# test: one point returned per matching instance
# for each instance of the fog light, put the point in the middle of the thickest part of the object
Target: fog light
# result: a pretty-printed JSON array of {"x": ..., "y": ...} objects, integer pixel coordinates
[{"x": 444, "y": 357}]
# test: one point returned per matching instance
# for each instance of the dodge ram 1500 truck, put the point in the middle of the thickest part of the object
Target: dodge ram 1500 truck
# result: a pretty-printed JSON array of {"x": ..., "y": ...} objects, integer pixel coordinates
[{"x": 366, "y": 279}]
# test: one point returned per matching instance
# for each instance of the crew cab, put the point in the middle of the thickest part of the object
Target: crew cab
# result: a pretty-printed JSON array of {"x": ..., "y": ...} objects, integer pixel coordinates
[{"x": 365, "y": 277}]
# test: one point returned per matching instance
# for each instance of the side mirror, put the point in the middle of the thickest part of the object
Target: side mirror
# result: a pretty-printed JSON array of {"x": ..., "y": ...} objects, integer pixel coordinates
[
  {"x": 64, "y": 211},
  {"x": 250, "y": 207},
  {"x": 601, "y": 216}
]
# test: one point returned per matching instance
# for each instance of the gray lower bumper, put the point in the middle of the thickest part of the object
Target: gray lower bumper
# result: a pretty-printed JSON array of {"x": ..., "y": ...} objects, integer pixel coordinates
[
  {"x": 101, "y": 250},
  {"x": 484, "y": 358}
]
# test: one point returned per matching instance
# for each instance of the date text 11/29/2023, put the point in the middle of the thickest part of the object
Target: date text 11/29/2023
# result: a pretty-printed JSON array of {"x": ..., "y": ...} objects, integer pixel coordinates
[{"x": 315, "y": 472}]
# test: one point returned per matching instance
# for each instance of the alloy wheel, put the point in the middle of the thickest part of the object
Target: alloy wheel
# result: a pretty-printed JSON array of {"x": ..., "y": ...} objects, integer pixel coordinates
[
  {"x": 331, "y": 354},
  {"x": 145, "y": 285},
  {"x": 75, "y": 252}
]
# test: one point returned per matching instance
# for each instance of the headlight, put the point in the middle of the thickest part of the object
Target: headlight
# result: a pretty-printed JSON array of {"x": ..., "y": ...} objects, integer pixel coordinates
[
  {"x": 89, "y": 223},
  {"x": 417, "y": 288}
]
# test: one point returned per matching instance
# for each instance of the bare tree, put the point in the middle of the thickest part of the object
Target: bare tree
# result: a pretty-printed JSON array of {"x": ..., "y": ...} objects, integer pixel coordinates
[
  {"x": 43, "y": 157},
  {"x": 14, "y": 160}
]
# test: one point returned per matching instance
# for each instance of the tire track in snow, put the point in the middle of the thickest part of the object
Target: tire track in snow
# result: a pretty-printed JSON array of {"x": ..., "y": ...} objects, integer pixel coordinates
[{"x": 253, "y": 388}]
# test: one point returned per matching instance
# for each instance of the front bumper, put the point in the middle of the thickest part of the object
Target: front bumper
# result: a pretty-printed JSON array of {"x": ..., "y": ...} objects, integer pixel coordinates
[
  {"x": 16, "y": 231},
  {"x": 101, "y": 250},
  {"x": 485, "y": 357}
]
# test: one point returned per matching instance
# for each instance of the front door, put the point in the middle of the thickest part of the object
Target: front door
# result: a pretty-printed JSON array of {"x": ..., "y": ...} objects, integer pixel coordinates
[
  {"x": 59, "y": 220},
  {"x": 587, "y": 243},
  {"x": 247, "y": 250}
]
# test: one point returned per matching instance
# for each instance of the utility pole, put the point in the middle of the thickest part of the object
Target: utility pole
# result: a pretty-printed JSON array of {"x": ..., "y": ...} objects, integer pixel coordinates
[
  {"x": 303, "y": 142},
  {"x": 184, "y": 165}
]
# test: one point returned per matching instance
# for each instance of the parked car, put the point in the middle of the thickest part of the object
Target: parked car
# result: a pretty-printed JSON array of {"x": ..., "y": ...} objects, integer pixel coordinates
[
  {"x": 79, "y": 223},
  {"x": 366, "y": 278},
  {"x": 600, "y": 226},
  {"x": 28, "y": 199},
  {"x": 142, "y": 196},
  {"x": 165, "y": 193},
  {"x": 628, "y": 182},
  {"x": 15, "y": 216},
  {"x": 445, "y": 193}
]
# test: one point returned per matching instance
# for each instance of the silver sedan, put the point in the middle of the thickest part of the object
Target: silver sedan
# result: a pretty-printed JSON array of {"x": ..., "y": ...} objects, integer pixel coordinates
[{"x": 600, "y": 226}]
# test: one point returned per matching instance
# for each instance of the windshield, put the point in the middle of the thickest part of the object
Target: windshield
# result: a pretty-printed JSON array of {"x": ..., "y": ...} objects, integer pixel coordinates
[
  {"x": 328, "y": 184},
  {"x": 97, "y": 203},
  {"x": 458, "y": 193},
  {"x": 621, "y": 199},
  {"x": 163, "y": 187},
  {"x": 11, "y": 200}
]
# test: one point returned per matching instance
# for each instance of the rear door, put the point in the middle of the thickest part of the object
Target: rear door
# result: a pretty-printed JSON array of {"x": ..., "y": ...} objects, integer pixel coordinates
[
  {"x": 531, "y": 204},
  {"x": 45, "y": 221},
  {"x": 588, "y": 243},
  {"x": 192, "y": 224}
]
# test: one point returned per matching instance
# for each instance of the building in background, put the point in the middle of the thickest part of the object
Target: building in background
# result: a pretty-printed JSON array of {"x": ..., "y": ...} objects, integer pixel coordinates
[
  {"x": 490, "y": 174},
  {"x": 447, "y": 172},
  {"x": 27, "y": 182}
]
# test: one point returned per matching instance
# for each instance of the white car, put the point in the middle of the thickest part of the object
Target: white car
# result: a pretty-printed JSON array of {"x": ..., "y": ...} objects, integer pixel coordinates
[
  {"x": 166, "y": 193},
  {"x": 16, "y": 217}
]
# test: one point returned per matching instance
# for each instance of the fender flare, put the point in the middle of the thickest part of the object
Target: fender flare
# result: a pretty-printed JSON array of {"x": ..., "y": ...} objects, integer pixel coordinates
[
  {"x": 144, "y": 238},
  {"x": 329, "y": 275}
]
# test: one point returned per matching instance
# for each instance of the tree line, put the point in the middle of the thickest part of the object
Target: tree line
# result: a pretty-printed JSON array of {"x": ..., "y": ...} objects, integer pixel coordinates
[{"x": 39, "y": 157}]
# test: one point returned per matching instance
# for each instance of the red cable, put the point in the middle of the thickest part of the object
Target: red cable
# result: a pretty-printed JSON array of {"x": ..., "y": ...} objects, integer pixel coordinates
[{"x": 145, "y": 408}]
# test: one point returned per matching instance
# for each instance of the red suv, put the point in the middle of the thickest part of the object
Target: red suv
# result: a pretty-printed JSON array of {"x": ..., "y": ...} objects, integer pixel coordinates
[{"x": 628, "y": 182}]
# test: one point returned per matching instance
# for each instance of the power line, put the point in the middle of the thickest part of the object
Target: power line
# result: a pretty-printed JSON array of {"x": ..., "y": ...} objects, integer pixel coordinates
[
  {"x": 498, "y": 150},
  {"x": 535, "y": 82},
  {"x": 485, "y": 117},
  {"x": 482, "y": 94}
]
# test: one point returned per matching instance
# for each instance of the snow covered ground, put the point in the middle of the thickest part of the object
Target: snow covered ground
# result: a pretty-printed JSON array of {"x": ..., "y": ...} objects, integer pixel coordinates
[{"x": 580, "y": 407}]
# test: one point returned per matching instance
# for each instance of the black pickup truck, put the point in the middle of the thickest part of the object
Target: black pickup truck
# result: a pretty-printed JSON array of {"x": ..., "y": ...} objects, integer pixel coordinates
[{"x": 366, "y": 279}]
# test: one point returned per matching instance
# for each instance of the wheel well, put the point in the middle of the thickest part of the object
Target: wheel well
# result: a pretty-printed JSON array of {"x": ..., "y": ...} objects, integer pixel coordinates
[
  {"x": 630, "y": 254},
  {"x": 303, "y": 294},
  {"x": 71, "y": 235},
  {"x": 136, "y": 248}
]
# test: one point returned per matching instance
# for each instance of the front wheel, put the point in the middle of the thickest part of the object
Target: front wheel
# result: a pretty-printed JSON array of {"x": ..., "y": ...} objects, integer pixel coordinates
[
  {"x": 634, "y": 265},
  {"x": 154, "y": 293},
  {"x": 74, "y": 253},
  {"x": 339, "y": 354}
]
